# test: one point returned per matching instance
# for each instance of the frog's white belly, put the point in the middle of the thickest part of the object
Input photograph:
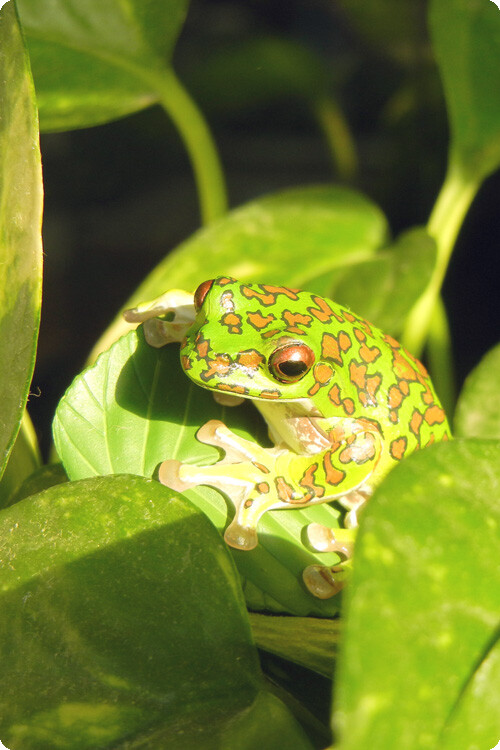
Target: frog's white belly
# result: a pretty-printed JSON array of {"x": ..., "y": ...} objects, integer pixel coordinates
[{"x": 297, "y": 424}]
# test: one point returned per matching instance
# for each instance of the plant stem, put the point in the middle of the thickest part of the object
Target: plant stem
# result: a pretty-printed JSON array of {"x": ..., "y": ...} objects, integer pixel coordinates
[
  {"x": 338, "y": 136},
  {"x": 440, "y": 355},
  {"x": 454, "y": 199},
  {"x": 199, "y": 144}
]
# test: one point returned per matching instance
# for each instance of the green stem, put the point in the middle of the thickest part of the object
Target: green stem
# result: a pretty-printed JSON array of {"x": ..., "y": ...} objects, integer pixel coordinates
[
  {"x": 440, "y": 356},
  {"x": 338, "y": 137},
  {"x": 457, "y": 193},
  {"x": 199, "y": 144}
]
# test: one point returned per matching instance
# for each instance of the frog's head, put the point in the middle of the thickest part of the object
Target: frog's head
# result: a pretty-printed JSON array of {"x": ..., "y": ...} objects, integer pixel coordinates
[{"x": 256, "y": 341}]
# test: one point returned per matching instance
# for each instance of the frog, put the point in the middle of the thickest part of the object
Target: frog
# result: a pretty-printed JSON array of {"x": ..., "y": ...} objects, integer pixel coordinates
[{"x": 344, "y": 404}]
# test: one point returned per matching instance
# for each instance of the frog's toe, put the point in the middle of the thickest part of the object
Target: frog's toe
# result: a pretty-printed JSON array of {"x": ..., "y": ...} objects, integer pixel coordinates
[
  {"x": 324, "y": 539},
  {"x": 324, "y": 582},
  {"x": 169, "y": 475},
  {"x": 241, "y": 537},
  {"x": 208, "y": 433}
]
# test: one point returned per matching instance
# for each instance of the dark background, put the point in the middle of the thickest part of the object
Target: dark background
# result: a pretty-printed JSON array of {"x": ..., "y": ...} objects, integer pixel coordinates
[{"x": 118, "y": 197}]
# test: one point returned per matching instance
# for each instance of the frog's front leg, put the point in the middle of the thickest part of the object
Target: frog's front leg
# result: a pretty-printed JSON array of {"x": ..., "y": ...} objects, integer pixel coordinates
[
  {"x": 257, "y": 479},
  {"x": 177, "y": 304}
]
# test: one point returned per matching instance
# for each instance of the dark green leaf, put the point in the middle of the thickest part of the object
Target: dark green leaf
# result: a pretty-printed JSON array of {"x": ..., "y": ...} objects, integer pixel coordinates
[
  {"x": 478, "y": 407},
  {"x": 307, "y": 641},
  {"x": 393, "y": 27},
  {"x": 20, "y": 229},
  {"x": 257, "y": 72},
  {"x": 466, "y": 40},
  {"x": 95, "y": 61},
  {"x": 299, "y": 238},
  {"x": 121, "y": 615},
  {"x": 424, "y": 601},
  {"x": 134, "y": 408},
  {"x": 384, "y": 288}
]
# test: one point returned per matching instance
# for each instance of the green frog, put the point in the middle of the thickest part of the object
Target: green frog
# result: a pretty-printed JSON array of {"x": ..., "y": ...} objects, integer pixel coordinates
[{"x": 344, "y": 403}]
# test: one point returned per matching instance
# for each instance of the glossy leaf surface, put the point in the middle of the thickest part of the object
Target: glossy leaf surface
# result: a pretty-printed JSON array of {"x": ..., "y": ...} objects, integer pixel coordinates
[
  {"x": 20, "y": 229},
  {"x": 134, "y": 408},
  {"x": 424, "y": 604},
  {"x": 466, "y": 41},
  {"x": 95, "y": 61},
  {"x": 122, "y": 619},
  {"x": 299, "y": 238},
  {"x": 384, "y": 288},
  {"x": 478, "y": 407}
]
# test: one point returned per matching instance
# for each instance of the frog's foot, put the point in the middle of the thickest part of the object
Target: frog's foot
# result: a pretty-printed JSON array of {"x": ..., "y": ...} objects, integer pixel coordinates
[
  {"x": 158, "y": 332},
  {"x": 325, "y": 539},
  {"x": 354, "y": 502},
  {"x": 323, "y": 582}
]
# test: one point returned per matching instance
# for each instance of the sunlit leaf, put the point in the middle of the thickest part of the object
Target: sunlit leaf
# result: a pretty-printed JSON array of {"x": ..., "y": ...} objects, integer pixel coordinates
[
  {"x": 424, "y": 602},
  {"x": 300, "y": 238},
  {"x": 134, "y": 408},
  {"x": 95, "y": 61},
  {"x": 478, "y": 407},
  {"x": 122, "y": 619},
  {"x": 384, "y": 288},
  {"x": 466, "y": 41},
  {"x": 20, "y": 229}
]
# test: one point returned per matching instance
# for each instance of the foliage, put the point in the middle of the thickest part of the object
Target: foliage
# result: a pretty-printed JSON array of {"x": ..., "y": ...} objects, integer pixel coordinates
[{"x": 123, "y": 615}]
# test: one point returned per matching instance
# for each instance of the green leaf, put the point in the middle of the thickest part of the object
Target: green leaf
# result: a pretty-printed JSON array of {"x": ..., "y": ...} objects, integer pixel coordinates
[
  {"x": 134, "y": 408},
  {"x": 112, "y": 591},
  {"x": 299, "y": 237},
  {"x": 307, "y": 641},
  {"x": 395, "y": 28},
  {"x": 424, "y": 601},
  {"x": 24, "y": 459},
  {"x": 466, "y": 40},
  {"x": 20, "y": 229},
  {"x": 257, "y": 72},
  {"x": 94, "y": 61},
  {"x": 476, "y": 714},
  {"x": 384, "y": 288},
  {"x": 478, "y": 407}
]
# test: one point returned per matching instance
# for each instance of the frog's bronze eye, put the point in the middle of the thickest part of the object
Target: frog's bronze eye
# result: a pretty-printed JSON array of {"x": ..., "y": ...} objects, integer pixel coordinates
[
  {"x": 201, "y": 293},
  {"x": 290, "y": 363}
]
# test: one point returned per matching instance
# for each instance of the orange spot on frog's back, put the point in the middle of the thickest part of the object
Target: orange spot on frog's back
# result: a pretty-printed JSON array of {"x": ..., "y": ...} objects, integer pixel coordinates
[
  {"x": 434, "y": 415},
  {"x": 259, "y": 321},
  {"x": 398, "y": 448}
]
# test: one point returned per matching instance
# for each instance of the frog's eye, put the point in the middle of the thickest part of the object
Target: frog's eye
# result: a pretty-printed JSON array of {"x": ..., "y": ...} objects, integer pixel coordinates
[
  {"x": 290, "y": 363},
  {"x": 201, "y": 293}
]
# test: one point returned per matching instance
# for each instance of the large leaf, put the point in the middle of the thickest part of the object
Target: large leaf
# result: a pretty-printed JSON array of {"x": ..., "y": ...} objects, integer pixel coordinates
[
  {"x": 478, "y": 408},
  {"x": 384, "y": 288},
  {"x": 299, "y": 237},
  {"x": 424, "y": 605},
  {"x": 20, "y": 229},
  {"x": 134, "y": 408},
  {"x": 95, "y": 61},
  {"x": 466, "y": 40},
  {"x": 122, "y": 618}
]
